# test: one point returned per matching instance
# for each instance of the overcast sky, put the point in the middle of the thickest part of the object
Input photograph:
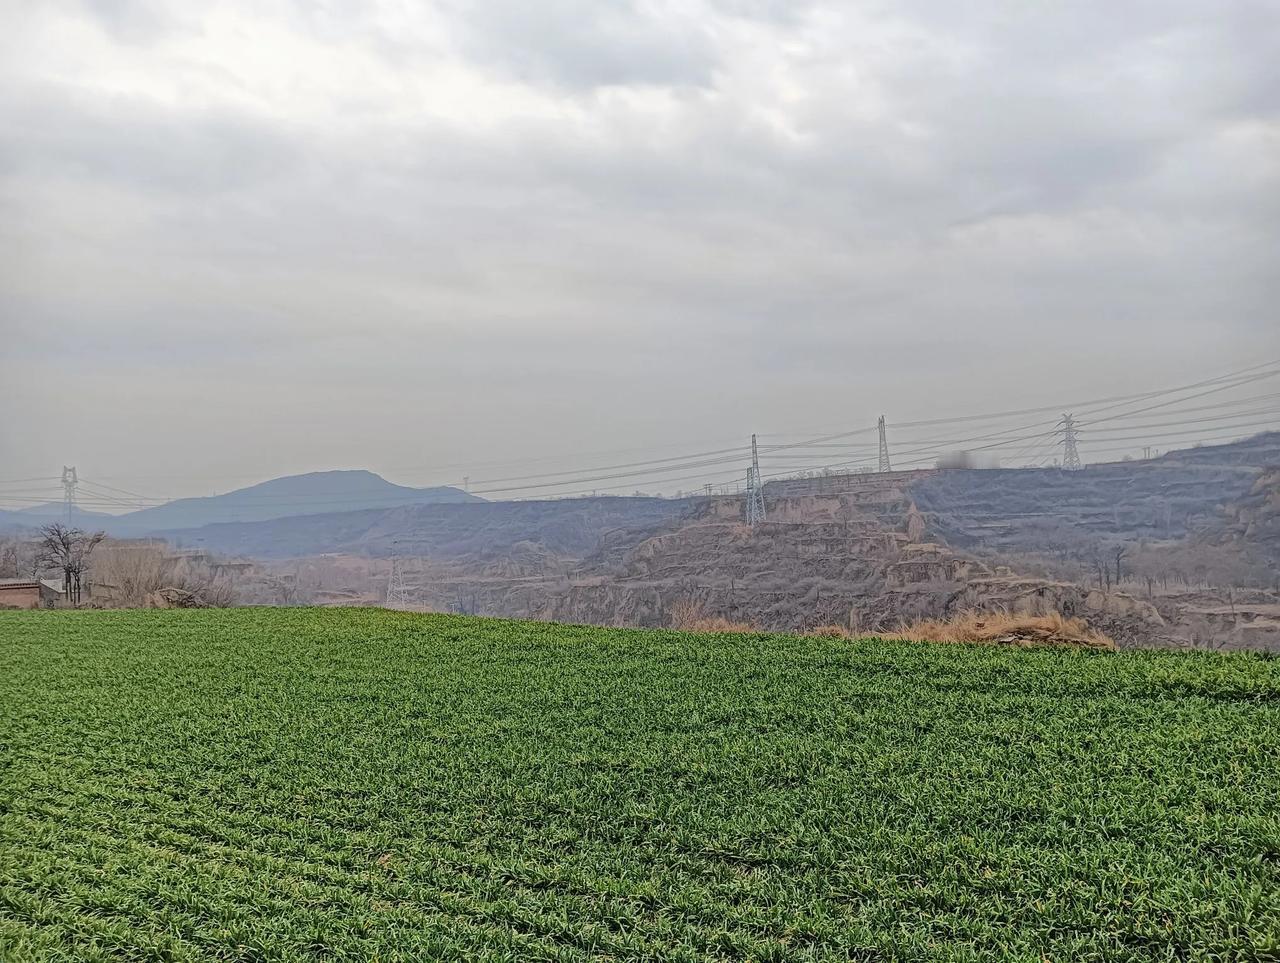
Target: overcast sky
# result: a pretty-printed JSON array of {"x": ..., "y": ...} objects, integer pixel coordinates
[{"x": 244, "y": 239}]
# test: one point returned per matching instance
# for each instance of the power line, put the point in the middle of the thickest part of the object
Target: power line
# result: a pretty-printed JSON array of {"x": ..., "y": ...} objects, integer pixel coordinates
[
  {"x": 538, "y": 459},
  {"x": 568, "y": 486},
  {"x": 1084, "y": 405},
  {"x": 736, "y": 451},
  {"x": 870, "y": 446},
  {"x": 1223, "y": 440},
  {"x": 1234, "y": 403},
  {"x": 668, "y": 465},
  {"x": 1116, "y": 398},
  {"x": 120, "y": 491},
  {"x": 1229, "y": 416},
  {"x": 1147, "y": 436},
  {"x": 1201, "y": 394},
  {"x": 663, "y": 469},
  {"x": 936, "y": 444}
]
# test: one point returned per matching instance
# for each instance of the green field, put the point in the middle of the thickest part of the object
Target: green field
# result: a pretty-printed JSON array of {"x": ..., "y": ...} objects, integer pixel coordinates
[{"x": 367, "y": 785}]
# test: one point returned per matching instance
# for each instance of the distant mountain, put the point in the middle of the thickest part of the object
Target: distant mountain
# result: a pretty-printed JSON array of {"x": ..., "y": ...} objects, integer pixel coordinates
[
  {"x": 315, "y": 493},
  {"x": 14, "y": 521},
  {"x": 488, "y": 530},
  {"x": 55, "y": 512}
]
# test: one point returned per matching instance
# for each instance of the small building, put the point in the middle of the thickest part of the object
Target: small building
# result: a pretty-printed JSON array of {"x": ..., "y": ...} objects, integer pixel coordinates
[
  {"x": 30, "y": 593},
  {"x": 19, "y": 593}
]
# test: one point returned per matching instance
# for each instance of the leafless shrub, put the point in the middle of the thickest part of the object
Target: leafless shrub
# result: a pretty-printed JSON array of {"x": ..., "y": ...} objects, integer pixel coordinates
[
  {"x": 687, "y": 615},
  {"x": 19, "y": 557},
  {"x": 830, "y": 632},
  {"x": 718, "y": 625},
  {"x": 1007, "y": 629},
  {"x": 684, "y": 613},
  {"x": 130, "y": 576}
]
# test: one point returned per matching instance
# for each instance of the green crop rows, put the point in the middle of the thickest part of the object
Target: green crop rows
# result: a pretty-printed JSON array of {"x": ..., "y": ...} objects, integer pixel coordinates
[{"x": 366, "y": 785}]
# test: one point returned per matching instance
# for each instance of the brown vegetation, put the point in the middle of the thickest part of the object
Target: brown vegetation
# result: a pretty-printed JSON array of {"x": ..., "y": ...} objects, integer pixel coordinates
[
  {"x": 684, "y": 612},
  {"x": 148, "y": 575},
  {"x": 992, "y": 628},
  {"x": 831, "y": 632},
  {"x": 19, "y": 557},
  {"x": 687, "y": 616},
  {"x": 721, "y": 625},
  {"x": 1005, "y": 628}
]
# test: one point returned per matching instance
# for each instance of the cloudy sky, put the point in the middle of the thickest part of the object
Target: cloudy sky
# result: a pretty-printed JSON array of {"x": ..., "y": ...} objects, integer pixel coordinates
[{"x": 248, "y": 238}]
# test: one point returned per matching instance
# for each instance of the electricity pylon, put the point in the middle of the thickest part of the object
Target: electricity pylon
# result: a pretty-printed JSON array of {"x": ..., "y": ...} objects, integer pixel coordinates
[
  {"x": 397, "y": 590},
  {"x": 884, "y": 446},
  {"x": 1070, "y": 453},
  {"x": 69, "y": 483},
  {"x": 755, "y": 489}
]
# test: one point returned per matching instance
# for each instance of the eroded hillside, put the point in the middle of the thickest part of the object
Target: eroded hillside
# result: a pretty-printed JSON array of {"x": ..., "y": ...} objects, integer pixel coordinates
[
  {"x": 858, "y": 558},
  {"x": 1179, "y": 550}
]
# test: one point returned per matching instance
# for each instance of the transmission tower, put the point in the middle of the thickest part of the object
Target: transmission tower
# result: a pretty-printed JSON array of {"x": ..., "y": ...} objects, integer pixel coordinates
[
  {"x": 69, "y": 483},
  {"x": 1070, "y": 453},
  {"x": 397, "y": 590},
  {"x": 884, "y": 446},
  {"x": 755, "y": 489}
]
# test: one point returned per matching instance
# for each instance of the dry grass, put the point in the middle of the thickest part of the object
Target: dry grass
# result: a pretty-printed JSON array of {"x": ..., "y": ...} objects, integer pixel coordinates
[
  {"x": 830, "y": 632},
  {"x": 132, "y": 575},
  {"x": 687, "y": 615},
  {"x": 1005, "y": 628},
  {"x": 992, "y": 628},
  {"x": 684, "y": 613},
  {"x": 718, "y": 624}
]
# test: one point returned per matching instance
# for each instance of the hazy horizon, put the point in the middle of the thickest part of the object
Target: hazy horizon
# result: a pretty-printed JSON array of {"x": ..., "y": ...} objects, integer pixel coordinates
[{"x": 257, "y": 240}]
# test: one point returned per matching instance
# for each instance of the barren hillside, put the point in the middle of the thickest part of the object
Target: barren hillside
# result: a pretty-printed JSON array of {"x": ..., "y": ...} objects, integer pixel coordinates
[
  {"x": 1021, "y": 509},
  {"x": 479, "y": 531},
  {"x": 1178, "y": 550}
]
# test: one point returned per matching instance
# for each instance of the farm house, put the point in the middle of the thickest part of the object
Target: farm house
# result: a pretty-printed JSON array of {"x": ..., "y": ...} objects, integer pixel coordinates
[{"x": 30, "y": 593}]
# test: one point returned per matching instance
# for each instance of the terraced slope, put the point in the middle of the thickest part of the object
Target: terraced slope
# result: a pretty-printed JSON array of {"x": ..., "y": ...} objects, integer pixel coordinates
[
  {"x": 1019, "y": 510},
  {"x": 300, "y": 784},
  {"x": 479, "y": 531}
]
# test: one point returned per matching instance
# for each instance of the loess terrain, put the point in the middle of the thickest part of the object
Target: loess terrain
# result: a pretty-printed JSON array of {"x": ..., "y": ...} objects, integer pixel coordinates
[
  {"x": 300, "y": 784},
  {"x": 1177, "y": 551}
]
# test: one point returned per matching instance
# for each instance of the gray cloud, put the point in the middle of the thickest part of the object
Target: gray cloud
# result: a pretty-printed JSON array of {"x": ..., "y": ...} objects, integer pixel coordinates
[
  {"x": 507, "y": 228},
  {"x": 129, "y": 21},
  {"x": 585, "y": 44},
  {"x": 137, "y": 146}
]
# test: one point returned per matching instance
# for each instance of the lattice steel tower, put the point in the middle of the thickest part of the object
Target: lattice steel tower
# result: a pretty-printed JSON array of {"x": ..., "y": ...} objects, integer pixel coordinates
[
  {"x": 69, "y": 483},
  {"x": 397, "y": 590},
  {"x": 755, "y": 489},
  {"x": 884, "y": 446},
  {"x": 1070, "y": 453}
]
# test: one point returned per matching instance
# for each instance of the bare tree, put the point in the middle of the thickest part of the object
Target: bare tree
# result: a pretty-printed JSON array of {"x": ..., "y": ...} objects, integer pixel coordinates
[
  {"x": 1120, "y": 552},
  {"x": 19, "y": 558},
  {"x": 132, "y": 575},
  {"x": 1099, "y": 561},
  {"x": 68, "y": 549}
]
